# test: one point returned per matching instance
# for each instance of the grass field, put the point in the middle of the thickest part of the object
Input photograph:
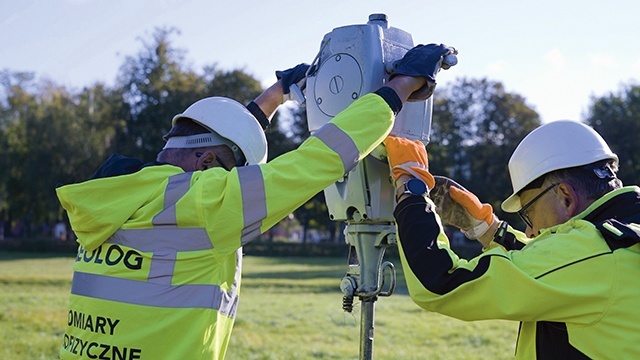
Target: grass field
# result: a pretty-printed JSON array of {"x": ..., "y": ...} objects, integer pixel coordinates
[{"x": 290, "y": 308}]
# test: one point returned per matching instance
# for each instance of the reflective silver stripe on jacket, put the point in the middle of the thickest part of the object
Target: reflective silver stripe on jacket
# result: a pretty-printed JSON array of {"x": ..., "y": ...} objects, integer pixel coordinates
[
  {"x": 341, "y": 143},
  {"x": 164, "y": 240},
  {"x": 176, "y": 188},
  {"x": 254, "y": 201},
  {"x": 152, "y": 294},
  {"x": 148, "y": 240}
]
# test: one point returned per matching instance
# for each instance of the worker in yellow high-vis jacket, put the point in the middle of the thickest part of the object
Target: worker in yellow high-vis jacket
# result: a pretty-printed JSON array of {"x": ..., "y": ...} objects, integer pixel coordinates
[
  {"x": 571, "y": 279},
  {"x": 157, "y": 275}
]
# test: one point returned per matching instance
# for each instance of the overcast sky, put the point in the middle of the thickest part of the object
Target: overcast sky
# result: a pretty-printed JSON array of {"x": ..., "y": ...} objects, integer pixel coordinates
[{"x": 557, "y": 54}]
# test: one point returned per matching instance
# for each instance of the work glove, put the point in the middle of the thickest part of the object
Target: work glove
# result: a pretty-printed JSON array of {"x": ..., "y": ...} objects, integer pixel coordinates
[
  {"x": 296, "y": 75},
  {"x": 408, "y": 157},
  {"x": 425, "y": 61},
  {"x": 461, "y": 208}
]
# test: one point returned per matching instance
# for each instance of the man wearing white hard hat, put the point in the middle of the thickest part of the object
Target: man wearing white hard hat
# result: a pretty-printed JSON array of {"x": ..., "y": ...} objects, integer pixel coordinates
[
  {"x": 571, "y": 279},
  {"x": 158, "y": 270}
]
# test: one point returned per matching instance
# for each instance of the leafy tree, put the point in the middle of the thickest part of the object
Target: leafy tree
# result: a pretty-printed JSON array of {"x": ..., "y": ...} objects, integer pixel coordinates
[
  {"x": 100, "y": 115},
  {"x": 14, "y": 120},
  {"x": 48, "y": 140},
  {"x": 156, "y": 86},
  {"x": 234, "y": 84},
  {"x": 476, "y": 126},
  {"x": 616, "y": 117}
]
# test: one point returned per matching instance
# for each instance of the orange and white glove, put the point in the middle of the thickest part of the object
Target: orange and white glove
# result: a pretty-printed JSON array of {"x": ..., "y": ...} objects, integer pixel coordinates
[
  {"x": 408, "y": 157},
  {"x": 481, "y": 213}
]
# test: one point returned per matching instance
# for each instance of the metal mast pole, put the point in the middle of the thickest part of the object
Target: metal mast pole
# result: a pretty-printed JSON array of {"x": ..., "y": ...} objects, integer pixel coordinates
[{"x": 365, "y": 275}]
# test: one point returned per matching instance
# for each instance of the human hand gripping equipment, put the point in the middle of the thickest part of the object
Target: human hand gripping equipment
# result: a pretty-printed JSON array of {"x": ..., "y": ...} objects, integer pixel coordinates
[
  {"x": 425, "y": 61},
  {"x": 461, "y": 208},
  {"x": 408, "y": 161},
  {"x": 294, "y": 82}
]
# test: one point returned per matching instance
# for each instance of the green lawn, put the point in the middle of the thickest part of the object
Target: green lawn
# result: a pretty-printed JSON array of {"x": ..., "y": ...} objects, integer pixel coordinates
[{"x": 290, "y": 308}]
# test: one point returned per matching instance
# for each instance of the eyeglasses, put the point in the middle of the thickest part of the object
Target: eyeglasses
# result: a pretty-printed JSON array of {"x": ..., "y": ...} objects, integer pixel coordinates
[
  {"x": 524, "y": 215},
  {"x": 224, "y": 166}
]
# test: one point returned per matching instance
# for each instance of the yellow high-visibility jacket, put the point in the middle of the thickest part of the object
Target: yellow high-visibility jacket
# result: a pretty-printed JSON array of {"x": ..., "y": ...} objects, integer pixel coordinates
[
  {"x": 574, "y": 288},
  {"x": 157, "y": 274}
]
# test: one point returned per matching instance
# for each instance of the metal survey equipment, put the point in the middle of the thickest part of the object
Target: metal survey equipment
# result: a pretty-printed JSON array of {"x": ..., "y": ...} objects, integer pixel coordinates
[{"x": 353, "y": 61}]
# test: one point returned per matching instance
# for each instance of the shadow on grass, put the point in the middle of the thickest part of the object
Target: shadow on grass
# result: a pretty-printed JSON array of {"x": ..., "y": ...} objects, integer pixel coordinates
[
  {"x": 294, "y": 288},
  {"x": 19, "y": 255},
  {"x": 31, "y": 281},
  {"x": 326, "y": 278}
]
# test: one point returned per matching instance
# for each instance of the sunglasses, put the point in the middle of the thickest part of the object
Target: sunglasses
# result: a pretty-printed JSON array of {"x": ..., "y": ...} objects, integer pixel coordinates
[{"x": 524, "y": 215}]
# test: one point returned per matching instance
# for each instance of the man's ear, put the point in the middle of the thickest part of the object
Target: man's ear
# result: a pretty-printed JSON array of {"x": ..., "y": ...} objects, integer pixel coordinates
[
  {"x": 569, "y": 200},
  {"x": 206, "y": 161}
]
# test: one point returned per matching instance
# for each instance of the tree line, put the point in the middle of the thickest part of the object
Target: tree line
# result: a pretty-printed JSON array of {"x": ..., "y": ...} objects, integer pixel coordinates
[{"x": 52, "y": 135}]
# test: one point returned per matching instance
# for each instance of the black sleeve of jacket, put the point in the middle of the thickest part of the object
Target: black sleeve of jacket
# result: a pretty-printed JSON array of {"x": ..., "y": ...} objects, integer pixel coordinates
[
  {"x": 418, "y": 232},
  {"x": 391, "y": 97},
  {"x": 117, "y": 165},
  {"x": 255, "y": 110}
]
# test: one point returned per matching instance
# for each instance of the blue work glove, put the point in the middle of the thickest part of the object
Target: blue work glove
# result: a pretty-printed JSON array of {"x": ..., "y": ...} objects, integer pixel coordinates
[
  {"x": 296, "y": 75},
  {"x": 425, "y": 61}
]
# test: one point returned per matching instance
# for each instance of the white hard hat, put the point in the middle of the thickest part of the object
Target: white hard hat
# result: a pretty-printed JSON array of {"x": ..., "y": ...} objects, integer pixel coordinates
[
  {"x": 556, "y": 145},
  {"x": 230, "y": 120}
]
